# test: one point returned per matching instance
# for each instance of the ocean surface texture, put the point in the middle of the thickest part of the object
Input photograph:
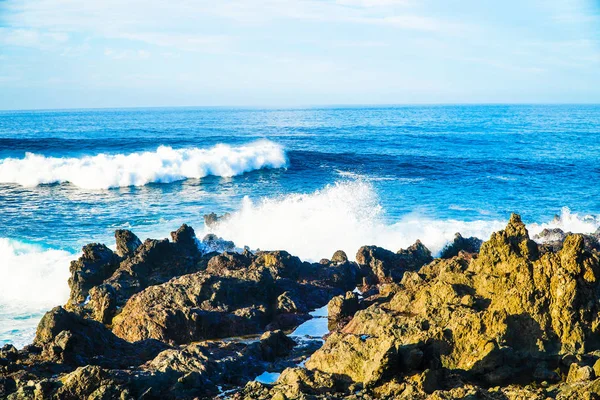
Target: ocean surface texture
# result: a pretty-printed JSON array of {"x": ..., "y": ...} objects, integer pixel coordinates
[{"x": 310, "y": 181}]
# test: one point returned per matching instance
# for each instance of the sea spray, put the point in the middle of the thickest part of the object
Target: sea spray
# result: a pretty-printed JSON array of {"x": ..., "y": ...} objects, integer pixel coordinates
[
  {"x": 164, "y": 165},
  {"x": 347, "y": 215},
  {"x": 32, "y": 281}
]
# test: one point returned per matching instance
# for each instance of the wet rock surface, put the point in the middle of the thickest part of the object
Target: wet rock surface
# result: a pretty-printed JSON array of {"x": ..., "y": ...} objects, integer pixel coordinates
[{"x": 510, "y": 318}]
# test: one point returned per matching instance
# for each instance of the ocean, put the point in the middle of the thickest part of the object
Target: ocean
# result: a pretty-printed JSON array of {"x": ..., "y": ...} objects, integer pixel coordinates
[{"x": 310, "y": 181}]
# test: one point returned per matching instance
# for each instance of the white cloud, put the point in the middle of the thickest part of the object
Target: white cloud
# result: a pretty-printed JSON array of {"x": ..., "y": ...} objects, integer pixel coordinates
[{"x": 180, "y": 23}]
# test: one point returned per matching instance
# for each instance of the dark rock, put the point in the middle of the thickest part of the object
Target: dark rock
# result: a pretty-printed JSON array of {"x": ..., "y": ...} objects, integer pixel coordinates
[
  {"x": 227, "y": 262},
  {"x": 102, "y": 303},
  {"x": 65, "y": 337},
  {"x": 97, "y": 263},
  {"x": 274, "y": 344},
  {"x": 213, "y": 243},
  {"x": 127, "y": 243},
  {"x": 7, "y": 386},
  {"x": 155, "y": 262},
  {"x": 385, "y": 266},
  {"x": 211, "y": 220},
  {"x": 342, "y": 306},
  {"x": 286, "y": 304},
  {"x": 281, "y": 263},
  {"x": 415, "y": 256},
  {"x": 469, "y": 245},
  {"x": 9, "y": 352},
  {"x": 551, "y": 235},
  {"x": 185, "y": 237}
]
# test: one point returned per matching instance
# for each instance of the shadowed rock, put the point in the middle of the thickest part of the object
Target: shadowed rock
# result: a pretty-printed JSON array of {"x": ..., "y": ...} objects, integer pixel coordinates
[
  {"x": 127, "y": 242},
  {"x": 382, "y": 265},
  {"x": 469, "y": 245}
]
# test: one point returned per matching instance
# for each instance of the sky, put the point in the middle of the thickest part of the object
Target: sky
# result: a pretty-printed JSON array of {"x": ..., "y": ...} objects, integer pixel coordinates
[{"x": 144, "y": 53}]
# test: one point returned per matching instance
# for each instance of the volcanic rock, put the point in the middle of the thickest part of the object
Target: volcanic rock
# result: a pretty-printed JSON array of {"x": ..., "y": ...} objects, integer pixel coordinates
[
  {"x": 385, "y": 266},
  {"x": 127, "y": 242},
  {"x": 469, "y": 245}
]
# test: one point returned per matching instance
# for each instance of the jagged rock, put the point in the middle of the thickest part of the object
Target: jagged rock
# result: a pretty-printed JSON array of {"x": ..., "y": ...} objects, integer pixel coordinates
[
  {"x": 81, "y": 383},
  {"x": 275, "y": 344},
  {"x": 512, "y": 315},
  {"x": 386, "y": 266},
  {"x": 211, "y": 220},
  {"x": 228, "y": 261},
  {"x": 359, "y": 358},
  {"x": 345, "y": 275},
  {"x": 580, "y": 373},
  {"x": 102, "y": 303},
  {"x": 65, "y": 337},
  {"x": 199, "y": 306},
  {"x": 339, "y": 257},
  {"x": 491, "y": 319},
  {"x": 286, "y": 304},
  {"x": 127, "y": 242},
  {"x": 281, "y": 263},
  {"x": 155, "y": 262},
  {"x": 185, "y": 237},
  {"x": 9, "y": 352},
  {"x": 469, "y": 245},
  {"x": 213, "y": 243},
  {"x": 97, "y": 263},
  {"x": 342, "y": 306},
  {"x": 551, "y": 235}
]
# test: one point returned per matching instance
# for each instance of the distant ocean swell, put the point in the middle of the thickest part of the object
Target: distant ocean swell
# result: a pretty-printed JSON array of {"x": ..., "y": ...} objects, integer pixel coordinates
[{"x": 164, "y": 165}]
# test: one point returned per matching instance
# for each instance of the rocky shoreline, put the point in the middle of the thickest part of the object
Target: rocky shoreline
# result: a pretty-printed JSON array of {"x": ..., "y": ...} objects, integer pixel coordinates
[{"x": 184, "y": 318}]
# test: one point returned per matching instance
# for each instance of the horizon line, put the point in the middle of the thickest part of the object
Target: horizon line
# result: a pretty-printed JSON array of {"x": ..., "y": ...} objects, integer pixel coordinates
[{"x": 301, "y": 107}]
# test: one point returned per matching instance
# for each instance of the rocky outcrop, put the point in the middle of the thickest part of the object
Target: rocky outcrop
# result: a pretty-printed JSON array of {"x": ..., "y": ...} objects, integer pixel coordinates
[
  {"x": 102, "y": 281},
  {"x": 212, "y": 220},
  {"x": 341, "y": 307},
  {"x": 469, "y": 245},
  {"x": 127, "y": 242},
  {"x": 512, "y": 319},
  {"x": 199, "y": 306},
  {"x": 66, "y": 338},
  {"x": 381, "y": 265},
  {"x": 506, "y": 316},
  {"x": 96, "y": 264}
]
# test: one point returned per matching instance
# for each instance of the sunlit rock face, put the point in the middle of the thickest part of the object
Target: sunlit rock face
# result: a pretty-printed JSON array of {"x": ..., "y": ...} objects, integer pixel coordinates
[{"x": 510, "y": 315}]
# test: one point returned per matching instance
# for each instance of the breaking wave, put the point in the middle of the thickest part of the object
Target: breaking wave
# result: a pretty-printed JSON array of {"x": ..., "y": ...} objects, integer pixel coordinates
[
  {"x": 164, "y": 165},
  {"x": 32, "y": 280},
  {"x": 347, "y": 215}
]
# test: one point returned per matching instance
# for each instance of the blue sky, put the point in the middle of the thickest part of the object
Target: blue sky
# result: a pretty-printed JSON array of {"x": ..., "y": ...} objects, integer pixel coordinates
[{"x": 114, "y": 53}]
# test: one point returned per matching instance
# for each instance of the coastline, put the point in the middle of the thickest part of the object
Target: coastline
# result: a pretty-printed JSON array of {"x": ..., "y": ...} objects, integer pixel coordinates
[{"x": 190, "y": 318}]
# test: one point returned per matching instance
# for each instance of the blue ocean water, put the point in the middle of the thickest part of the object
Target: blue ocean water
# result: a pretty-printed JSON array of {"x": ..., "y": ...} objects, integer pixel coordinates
[{"x": 307, "y": 180}]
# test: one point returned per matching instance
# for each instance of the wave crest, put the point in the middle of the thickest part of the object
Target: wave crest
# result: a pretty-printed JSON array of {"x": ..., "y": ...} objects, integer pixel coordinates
[
  {"x": 348, "y": 215},
  {"x": 164, "y": 165},
  {"x": 344, "y": 215}
]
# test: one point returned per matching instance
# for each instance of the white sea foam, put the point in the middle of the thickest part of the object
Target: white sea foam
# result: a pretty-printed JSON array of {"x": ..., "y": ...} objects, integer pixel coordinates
[
  {"x": 347, "y": 215},
  {"x": 568, "y": 222},
  {"x": 32, "y": 280},
  {"x": 137, "y": 169}
]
